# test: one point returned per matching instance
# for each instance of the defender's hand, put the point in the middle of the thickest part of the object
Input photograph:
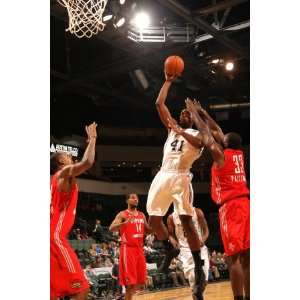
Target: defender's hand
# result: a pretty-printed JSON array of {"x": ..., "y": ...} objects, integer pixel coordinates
[{"x": 91, "y": 131}]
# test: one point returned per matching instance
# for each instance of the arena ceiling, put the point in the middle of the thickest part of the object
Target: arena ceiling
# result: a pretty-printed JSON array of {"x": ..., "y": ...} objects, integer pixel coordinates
[{"x": 95, "y": 79}]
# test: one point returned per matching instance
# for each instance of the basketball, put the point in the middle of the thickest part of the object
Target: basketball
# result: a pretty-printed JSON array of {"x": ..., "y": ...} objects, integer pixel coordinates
[{"x": 174, "y": 65}]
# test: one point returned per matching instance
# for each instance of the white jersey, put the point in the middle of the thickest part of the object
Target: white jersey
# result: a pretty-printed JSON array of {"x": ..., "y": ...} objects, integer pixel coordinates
[
  {"x": 180, "y": 234},
  {"x": 179, "y": 154}
]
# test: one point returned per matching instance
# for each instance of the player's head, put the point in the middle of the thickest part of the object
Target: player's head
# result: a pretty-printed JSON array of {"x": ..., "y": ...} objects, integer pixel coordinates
[
  {"x": 58, "y": 160},
  {"x": 232, "y": 140},
  {"x": 185, "y": 119},
  {"x": 132, "y": 200}
]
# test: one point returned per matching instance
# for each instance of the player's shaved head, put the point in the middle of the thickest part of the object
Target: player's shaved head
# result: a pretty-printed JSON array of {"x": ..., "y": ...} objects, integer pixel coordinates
[
  {"x": 59, "y": 160},
  {"x": 232, "y": 140},
  {"x": 185, "y": 119},
  {"x": 54, "y": 162}
]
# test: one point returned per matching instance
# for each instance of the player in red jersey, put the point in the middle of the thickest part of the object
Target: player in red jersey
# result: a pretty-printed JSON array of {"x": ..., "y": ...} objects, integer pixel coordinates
[
  {"x": 229, "y": 190},
  {"x": 66, "y": 275},
  {"x": 132, "y": 225}
]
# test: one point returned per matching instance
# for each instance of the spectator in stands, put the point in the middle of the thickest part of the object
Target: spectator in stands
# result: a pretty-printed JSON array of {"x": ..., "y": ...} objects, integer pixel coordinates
[
  {"x": 104, "y": 249},
  {"x": 105, "y": 262},
  {"x": 92, "y": 250},
  {"x": 113, "y": 249},
  {"x": 150, "y": 238},
  {"x": 98, "y": 250},
  {"x": 93, "y": 280},
  {"x": 222, "y": 265},
  {"x": 98, "y": 262},
  {"x": 83, "y": 226},
  {"x": 150, "y": 253},
  {"x": 116, "y": 236},
  {"x": 148, "y": 248},
  {"x": 117, "y": 289},
  {"x": 176, "y": 273},
  {"x": 84, "y": 236},
  {"x": 213, "y": 265},
  {"x": 73, "y": 235},
  {"x": 98, "y": 232},
  {"x": 78, "y": 235}
]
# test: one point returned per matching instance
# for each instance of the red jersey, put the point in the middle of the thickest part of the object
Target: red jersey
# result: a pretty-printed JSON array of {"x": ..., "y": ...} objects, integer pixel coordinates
[
  {"x": 132, "y": 233},
  {"x": 229, "y": 182},
  {"x": 62, "y": 209}
]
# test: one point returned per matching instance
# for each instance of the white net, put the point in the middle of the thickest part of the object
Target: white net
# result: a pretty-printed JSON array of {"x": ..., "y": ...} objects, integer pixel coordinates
[{"x": 85, "y": 16}]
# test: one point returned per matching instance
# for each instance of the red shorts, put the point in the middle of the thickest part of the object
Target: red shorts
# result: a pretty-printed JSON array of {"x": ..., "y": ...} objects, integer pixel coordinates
[
  {"x": 66, "y": 275},
  {"x": 235, "y": 225},
  {"x": 132, "y": 266}
]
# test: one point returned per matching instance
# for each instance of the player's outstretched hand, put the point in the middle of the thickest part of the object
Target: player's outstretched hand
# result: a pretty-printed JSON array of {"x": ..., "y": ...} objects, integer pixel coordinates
[
  {"x": 174, "y": 126},
  {"x": 91, "y": 131},
  {"x": 190, "y": 105},
  {"x": 198, "y": 106}
]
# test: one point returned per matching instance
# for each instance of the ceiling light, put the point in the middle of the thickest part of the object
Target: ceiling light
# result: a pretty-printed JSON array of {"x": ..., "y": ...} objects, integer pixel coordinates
[
  {"x": 215, "y": 61},
  {"x": 122, "y": 2},
  {"x": 120, "y": 22},
  {"x": 107, "y": 17},
  {"x": 141, "y": 20},
  {"x": 229, "y": 66}
]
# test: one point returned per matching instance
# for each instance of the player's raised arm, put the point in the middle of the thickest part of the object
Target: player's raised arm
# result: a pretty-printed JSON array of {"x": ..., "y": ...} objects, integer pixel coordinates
[
  {"x": 208, "y": 140},
  {"x": 213, "y": 126},
  {"x": 203, "y": 224},
  {"x": 87, "y": 161},
  {"x": 162, "y": 109},
  {"x": 118, "y": 222},
  {"x": 198, "y": 121}
]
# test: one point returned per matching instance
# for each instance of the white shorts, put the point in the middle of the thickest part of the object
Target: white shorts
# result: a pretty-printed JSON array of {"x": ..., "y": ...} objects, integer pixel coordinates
[
  {"x": 167, "y": 188},
  {"x": 186, "y": 257}
]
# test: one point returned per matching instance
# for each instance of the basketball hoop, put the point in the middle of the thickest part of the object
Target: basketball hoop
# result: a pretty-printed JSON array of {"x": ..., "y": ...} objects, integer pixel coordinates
[{"x": 85, "y": 16}]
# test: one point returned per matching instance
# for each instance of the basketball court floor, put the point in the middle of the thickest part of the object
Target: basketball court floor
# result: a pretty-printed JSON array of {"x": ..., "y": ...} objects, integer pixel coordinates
[{"x": 214, "y": 291}]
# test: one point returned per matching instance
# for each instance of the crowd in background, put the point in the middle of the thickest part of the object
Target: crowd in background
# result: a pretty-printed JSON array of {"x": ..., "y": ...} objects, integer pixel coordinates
[{"x": 104, "y": 253}]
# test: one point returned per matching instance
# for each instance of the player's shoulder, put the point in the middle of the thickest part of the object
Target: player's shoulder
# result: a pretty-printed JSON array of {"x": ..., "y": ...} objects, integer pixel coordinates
[
  {"x": 122, "y": 213},
  {"x": 229, "y": 151},
  {"x": 191, "y": 131}
]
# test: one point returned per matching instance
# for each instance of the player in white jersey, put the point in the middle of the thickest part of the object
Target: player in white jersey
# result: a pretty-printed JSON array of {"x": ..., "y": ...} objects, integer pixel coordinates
[
  {"x": 178, "y": 239},
  {"x": 172, "y": 184}
]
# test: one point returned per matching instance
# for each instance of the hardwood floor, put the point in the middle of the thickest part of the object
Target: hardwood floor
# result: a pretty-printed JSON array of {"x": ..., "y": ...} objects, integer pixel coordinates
[{"x": 214, "y": 291}]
